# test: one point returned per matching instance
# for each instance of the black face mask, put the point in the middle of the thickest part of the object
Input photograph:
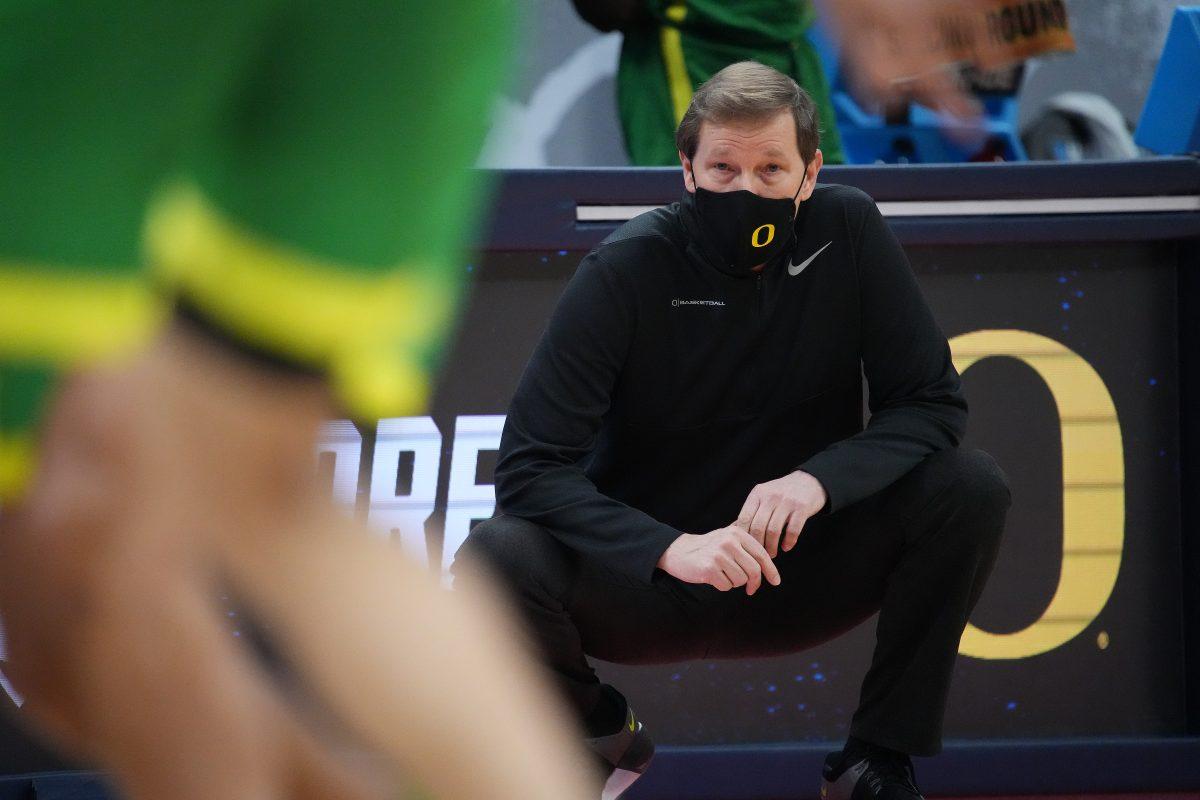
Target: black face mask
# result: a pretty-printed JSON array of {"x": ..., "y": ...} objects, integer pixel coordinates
[{"x": 746, "y": 229}]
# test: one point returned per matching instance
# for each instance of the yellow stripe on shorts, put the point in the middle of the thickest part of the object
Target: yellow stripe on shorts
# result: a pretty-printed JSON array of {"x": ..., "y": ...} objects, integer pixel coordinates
[
  {"x": 367, "y": 332},
  {"x": 60, "y": 317},
  {"x": 16, "y": 464}
]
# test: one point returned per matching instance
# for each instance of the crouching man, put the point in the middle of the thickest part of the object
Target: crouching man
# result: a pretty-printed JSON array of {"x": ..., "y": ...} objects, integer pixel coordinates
[{"x": 684, "y": 472}]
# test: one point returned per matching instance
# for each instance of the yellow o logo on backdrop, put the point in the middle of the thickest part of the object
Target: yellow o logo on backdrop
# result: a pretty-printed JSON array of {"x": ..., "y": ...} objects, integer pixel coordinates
[
  {"x": 770, "y": 235},
  {"x": 1093, "y": 460}
]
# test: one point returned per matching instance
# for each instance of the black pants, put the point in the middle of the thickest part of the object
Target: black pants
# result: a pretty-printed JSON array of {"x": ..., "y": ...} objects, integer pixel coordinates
[{"x": 918, "y": 552}]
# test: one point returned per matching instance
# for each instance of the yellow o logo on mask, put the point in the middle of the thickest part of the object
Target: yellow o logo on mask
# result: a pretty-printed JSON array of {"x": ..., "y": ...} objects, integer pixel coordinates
[{"x": 770, "y": 229}]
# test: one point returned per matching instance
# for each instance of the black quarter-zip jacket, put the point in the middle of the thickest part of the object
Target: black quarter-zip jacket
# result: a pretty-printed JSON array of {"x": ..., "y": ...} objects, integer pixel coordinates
[{"x": 668, "y": 384}]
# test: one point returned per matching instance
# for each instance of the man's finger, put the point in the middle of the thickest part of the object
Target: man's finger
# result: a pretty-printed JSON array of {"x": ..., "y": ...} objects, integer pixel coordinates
[
  {"x": 752, "y": 546},
  {"x": 736, "y": 575},
  {"x": 718, "y": 579},
  {"x": 775, "y": 525},
  {"x": 794, "y": 526},
  {"x": 758, "y": 526},
  {"x": 751, "y": 567},
  {"x": 746, "y": 515}
]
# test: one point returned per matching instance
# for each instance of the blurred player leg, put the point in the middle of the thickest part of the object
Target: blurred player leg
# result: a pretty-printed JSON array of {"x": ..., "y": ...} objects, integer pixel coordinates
[
  {"x": 368, "y": 635},
  {"x": 119, "y": 644}
]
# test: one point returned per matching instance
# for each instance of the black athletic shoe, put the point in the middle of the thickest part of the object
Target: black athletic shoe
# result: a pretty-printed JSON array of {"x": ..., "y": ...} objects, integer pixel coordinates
[
  {"x": 874, "y": 775},
  {"x": 623, "y": 755}
]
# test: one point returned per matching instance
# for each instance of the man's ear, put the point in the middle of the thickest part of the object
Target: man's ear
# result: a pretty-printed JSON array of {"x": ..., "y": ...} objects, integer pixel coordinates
[
  {"x": 689, "y": 175},
  {"x": 810, "y": 175}
]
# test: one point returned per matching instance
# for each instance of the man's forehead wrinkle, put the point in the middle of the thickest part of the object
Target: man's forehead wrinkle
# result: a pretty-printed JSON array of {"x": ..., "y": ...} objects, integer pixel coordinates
[
  {"x": 771, "y": 139},
  {"x": 722, "y": 145}
]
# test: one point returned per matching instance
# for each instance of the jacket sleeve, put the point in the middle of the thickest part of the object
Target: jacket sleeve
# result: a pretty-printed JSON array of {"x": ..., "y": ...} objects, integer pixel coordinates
[
  {"x": 916, "y": 401},
  {"x": 554, "y": 420}
]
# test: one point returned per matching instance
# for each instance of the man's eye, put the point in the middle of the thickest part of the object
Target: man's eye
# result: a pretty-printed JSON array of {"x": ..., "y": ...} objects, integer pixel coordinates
[
  {"x": 721, "y": 165},
  {"x": 772, "y": 168}
]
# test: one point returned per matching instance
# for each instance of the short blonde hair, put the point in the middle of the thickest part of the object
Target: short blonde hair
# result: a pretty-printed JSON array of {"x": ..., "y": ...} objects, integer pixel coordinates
[{"x": 749, "y": 92}]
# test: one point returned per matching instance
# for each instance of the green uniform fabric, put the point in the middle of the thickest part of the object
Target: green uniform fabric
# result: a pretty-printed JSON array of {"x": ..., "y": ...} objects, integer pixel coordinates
[
  {"x": 713, "y": 34},
  {"x": 304, "y": 167}
]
